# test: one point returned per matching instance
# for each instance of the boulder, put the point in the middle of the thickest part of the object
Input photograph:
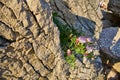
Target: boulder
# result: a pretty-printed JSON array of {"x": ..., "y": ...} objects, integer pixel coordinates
[
  {"x": 109, "y": 42},
  {"x": 114, "y": 6}
]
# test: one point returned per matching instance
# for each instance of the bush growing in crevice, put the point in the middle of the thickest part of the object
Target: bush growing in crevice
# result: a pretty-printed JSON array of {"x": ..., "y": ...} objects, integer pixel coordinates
[{"x": 75, "y": 45}]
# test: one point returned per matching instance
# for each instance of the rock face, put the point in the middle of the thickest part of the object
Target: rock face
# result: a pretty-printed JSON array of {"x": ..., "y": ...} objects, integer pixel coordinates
[
  {"x": 110, "y": 41},
  {"x": 29, "y": 40},
  {"x": 85, "y": 17}
]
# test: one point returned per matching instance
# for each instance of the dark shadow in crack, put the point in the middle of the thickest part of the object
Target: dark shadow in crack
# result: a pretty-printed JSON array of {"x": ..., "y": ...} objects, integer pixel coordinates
[
  {"x": 4, "y": 42},
  {"x": 110, "y": 20}
]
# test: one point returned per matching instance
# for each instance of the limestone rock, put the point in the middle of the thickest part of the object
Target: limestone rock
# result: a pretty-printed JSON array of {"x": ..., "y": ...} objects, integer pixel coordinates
[
  {"x": 34, "y": 51},
  {"x": 85, "y": 17},
  {"x": 116, "y": 66},
  {"x": 112, "y": 75},
  {"x": 110, "y": 42}
]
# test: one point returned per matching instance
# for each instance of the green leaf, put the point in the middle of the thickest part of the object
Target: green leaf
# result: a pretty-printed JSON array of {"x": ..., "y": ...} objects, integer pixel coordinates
[
  {"x": 73, "y": 39},
  {"x": 77, "y": 50},
  {"x": 72, "y": 56}
]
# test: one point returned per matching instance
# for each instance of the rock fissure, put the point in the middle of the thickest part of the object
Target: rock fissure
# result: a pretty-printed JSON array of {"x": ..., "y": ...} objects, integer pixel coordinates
[
  {"x": 33, "y": 68},
  {"x": 35, "y": 53}
]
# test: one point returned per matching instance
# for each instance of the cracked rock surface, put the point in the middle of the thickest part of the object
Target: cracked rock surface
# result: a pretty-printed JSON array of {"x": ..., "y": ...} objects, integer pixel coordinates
[
  {"x": 85, "y": 17},
  {"x": 30, "y": 44}
]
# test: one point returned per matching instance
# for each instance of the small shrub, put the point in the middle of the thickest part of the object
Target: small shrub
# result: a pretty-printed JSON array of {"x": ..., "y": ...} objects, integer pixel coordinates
[
  {"x": 81, "y": 46},
  {"x": 73, "y": 43}
]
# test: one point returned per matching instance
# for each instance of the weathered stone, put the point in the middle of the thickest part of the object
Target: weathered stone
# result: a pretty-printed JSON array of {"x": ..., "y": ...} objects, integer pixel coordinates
[
  {"x": 116, "y": 66},
  {"x": 110, "y": 42},
  {"x": 34, "y": 51},
  {"x": 112, "y": 75},
  {"x": 85, "y": 17}
]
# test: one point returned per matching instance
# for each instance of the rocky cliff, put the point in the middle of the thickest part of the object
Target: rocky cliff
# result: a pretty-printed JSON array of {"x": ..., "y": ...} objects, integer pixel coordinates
[{"x": 30, "y": 44}]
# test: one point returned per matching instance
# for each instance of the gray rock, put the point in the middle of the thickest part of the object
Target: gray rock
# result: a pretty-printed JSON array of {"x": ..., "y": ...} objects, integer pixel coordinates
[
  {"x": 85, "y": 17},
  {"x": 110, "y": 42},
  {"x": 114, "y": 6}
]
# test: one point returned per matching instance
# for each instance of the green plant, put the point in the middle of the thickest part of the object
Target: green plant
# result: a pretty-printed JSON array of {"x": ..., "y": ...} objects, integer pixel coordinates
[{"x": 73, "y": 43}]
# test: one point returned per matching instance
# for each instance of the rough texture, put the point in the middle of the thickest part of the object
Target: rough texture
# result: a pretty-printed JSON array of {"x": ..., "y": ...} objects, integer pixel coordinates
[
  {"x": 110, "y": 42},
  {"x": 29, "y": 40},
  {"x": 114, "y": 6},
  {"x": 85, "y": 17},
  {"x": 116, "y": 66}
]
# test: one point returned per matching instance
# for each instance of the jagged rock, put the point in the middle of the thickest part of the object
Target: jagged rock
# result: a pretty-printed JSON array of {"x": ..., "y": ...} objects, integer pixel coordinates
[
  {"x": 34, "y": 51},
  {"x": 85, "y": 17},
  {"x": 110, "y": 42}
]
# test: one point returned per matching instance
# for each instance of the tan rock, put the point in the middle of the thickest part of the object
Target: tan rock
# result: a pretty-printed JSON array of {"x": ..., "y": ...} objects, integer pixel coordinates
[
  {"x": 34, "y": 51},
  {"x": 116, "y": 66},
  {"x": 112, "y": 75}
]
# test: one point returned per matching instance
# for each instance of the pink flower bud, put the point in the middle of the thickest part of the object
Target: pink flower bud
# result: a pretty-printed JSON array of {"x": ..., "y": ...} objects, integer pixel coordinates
[
  {"x": 68, "y": 52},
  {"x": 86, "y": 54},
  {"x": 102, "y": 5},
  {"x": 77, "y": 41}
]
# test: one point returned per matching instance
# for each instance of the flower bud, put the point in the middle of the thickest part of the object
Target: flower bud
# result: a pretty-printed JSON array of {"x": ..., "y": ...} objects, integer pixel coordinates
[
  {"x": 68, "y": 52},
  {"x": 102, "y": 5},
  {"x": 86, "y": 53},
  {"x": 77, "y": 41}
]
